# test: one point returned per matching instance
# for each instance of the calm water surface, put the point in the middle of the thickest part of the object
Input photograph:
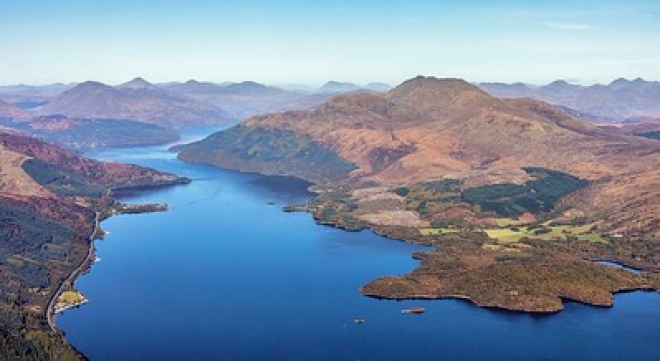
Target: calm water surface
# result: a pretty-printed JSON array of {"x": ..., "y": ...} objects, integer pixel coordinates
[{"x": 224, "y": 275}]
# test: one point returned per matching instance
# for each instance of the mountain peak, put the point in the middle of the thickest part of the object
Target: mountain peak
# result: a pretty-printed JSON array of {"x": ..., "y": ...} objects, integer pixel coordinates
[
  {"x": 620, "y": 82},
  {"x": 137, "y": 83},
  {"x": 421, "y": 81},
  {"x": 91, "y": 84},
  {"x": 251, "y": 88},
  {"x": 148, "y": 104},
  {"x": 334, "y": 86},
  {"x": 431, "y": 91},
  {"x": 559, "y": 84},
  {"x": 248, "y": 84}
]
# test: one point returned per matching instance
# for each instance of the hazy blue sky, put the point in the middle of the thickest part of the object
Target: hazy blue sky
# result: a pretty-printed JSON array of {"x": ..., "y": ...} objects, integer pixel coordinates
[{"x": 291, "y": 41}]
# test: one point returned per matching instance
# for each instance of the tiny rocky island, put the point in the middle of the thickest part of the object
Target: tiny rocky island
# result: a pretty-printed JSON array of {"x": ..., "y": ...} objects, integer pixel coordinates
[{"x": 518, "y": 197}]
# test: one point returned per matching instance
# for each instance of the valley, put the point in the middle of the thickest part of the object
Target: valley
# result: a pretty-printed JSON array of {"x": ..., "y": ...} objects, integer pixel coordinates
[
  {"x": 330, "y": 180},
  {"x": 516, "y": 199}
]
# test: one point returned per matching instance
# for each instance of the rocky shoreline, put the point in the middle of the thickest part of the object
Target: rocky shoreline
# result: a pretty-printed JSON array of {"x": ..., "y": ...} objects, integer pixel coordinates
[{"x": 460, "y": 267}]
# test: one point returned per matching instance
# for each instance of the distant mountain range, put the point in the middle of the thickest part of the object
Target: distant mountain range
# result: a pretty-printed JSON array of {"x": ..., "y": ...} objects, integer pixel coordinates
[
  {"x": 135, "y": 100},
  {"x": 196, "y": 102},
  {"x": 193, "y": 103},
  {"x": 12, "y": 112},
  {"x": 189, "y": 103},
  {"x": 95, "y": 114},
  {"x": 345, "y": 87},
  {"x": 28, "y": 97},
  {"x": 244, "y": 99},
  {"x": 621, "y": 100},
  {"x": 249, "y": 98}
]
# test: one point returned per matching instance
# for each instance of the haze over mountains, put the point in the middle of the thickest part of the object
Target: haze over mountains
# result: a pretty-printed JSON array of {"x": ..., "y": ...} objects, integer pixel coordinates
[
  {"x": 247, "y": 98},
  {"x": 93, "y": 114},
  {"x": 11, "y": 112},
  {"x": 172, "y": 104},
  {"x": 194, "y": 103},
  {"x": 619, "y": 100},
  {"x": 95, "y": 100}
]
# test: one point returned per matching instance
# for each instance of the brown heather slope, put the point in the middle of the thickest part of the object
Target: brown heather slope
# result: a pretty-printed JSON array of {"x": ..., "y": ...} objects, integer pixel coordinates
[
  {"x": 12, "y": 112},
  {"x": 443, "y": 153},
  {"x": 435, "y": 128},
  {"x": 107, "y": 174},
  {"x": 99, "y": 101},
  {"x": 49, "y": 201},
  {"x": 428, "y": 128}
]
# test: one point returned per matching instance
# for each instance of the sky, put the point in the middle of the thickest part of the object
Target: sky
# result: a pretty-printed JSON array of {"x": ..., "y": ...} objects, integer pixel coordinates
[{"x": 310, "y": 42}]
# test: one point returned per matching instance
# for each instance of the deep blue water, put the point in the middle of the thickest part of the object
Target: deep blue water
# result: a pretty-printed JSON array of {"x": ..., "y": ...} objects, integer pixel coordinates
[{"x": 224, "y": 275}]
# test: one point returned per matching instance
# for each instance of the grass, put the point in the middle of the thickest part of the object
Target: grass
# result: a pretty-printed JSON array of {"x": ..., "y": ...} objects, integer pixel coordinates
[
  {"x": 437, "y": 231},
  {"x": 71, "y": 297},
  {"x": 511, "y": 235},
  {"x": 506, "y": 234},
  {"x": 592, "y": 237}
]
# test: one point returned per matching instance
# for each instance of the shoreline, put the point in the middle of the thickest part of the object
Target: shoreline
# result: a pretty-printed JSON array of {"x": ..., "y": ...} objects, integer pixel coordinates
[
  {"x": 91, "y": 258},
  {"x": 69, "y": 306},
  {"x": 50, "y": 308},
  {"x": 646, "y": 286}
]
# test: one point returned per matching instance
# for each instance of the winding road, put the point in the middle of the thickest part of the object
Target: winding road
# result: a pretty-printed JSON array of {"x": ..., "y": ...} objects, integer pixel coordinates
[{"x": 72, "y": 276}]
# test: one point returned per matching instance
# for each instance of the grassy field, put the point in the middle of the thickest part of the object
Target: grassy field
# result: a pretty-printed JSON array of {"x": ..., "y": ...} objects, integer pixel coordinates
[
  {"x": 71, "y": 297},
  {"x": 437, "y": 231},
  {"x": 591, "y": 238},
  {"x": 505, "y": 235},
  {"x": 546, "y": 232},
  {"x": 508, "y": 233}
]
